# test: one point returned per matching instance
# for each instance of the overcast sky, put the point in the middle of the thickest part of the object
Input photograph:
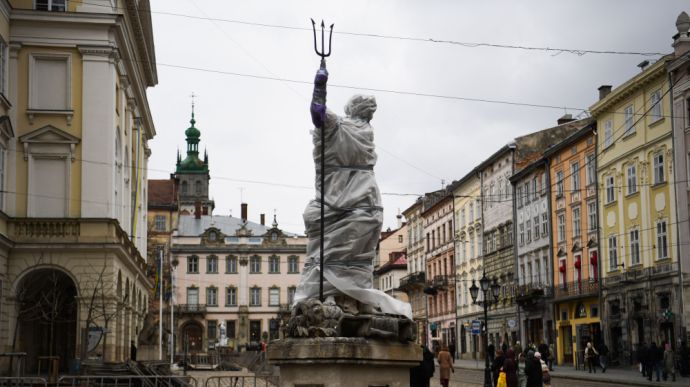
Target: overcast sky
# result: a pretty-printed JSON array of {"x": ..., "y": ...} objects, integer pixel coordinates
[{"x": 256, "y": 130}]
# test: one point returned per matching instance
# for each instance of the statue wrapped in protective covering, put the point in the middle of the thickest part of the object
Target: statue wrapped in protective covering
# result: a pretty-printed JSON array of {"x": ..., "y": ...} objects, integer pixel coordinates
[{"x": 352, "y": 217}]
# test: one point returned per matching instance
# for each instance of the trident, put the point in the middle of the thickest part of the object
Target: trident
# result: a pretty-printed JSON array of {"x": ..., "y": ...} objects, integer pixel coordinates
[{"x": 323, "y": 53}]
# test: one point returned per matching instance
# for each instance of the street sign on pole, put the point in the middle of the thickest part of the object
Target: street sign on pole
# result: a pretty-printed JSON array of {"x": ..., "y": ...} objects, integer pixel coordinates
[{"x": 476, "y": 327}]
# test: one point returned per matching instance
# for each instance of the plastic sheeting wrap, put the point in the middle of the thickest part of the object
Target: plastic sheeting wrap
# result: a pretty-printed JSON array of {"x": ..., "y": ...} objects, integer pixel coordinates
[{"x": 353, "y": 213}]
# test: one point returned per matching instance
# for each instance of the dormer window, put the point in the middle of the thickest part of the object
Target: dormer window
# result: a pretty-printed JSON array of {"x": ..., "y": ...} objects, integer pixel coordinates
[
  {"x": 274, "y": 236},
  {"x": 51, "y": 5},
  {"x": 212, "y": 236}
]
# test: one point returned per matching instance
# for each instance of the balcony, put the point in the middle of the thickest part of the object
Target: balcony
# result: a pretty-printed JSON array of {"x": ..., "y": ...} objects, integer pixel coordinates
[
  {"x": 413, "y": 280},
  {"x": 642, "y": 274},
  {"x": 529, "y": 294},
  {"x": 190, "y": 308},
  {"x": 572, "y": 290},
  {"x": 440, "y": 282}
]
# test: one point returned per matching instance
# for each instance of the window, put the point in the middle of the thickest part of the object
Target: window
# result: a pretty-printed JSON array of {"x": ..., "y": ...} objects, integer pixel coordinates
[
  {"x": 197, "y": 187},
  {"x": 2, "y": 177},
  {"x": 592, "y": 211},
  {"x": 51, "y": 5},
  {"x": 231, "y": 329},
  {"x": 184, "y": 186},
  {"x": 273, "y": 296},
  {"x": 231, "y": 264},
  {"x": 255, "y": 264},
  {"x": 655, "y": 99},
  {"x": 544, "y": 224},
  {"x": 559, "y": 183},
  {"x": 661, "y": 240},
  {"x": 231, "y": 296},
  {"x": 536, "y": 227},
  {"x": 613, "y": 253},
  {"x": 628, "y": 125},
  {"x": 527, "y": 196},
  {"x": 519, "y": 197},
  {"x": 543, "y": 183},
  {"x": 274, "y": 264},
  {"x": 193, "y": 296},
  {"x": 659, "y": 168},
  {"x": 462, "y": 218},
  {"x": 192, "y": 264},
  {"x": 212, "y": 264},
  {"x": 472, "y": 246},
  {"x": 632, "y": 179},
  {"x": 591, "y": 169},
  {"x": 535, "y": 188},
  {"x": 529, "y": 231},
  {"x": 634, "y": 247},
  {"x": 255, "y": 296},
  {"x": 293, "y": 264},
  {"x": 561, "y": 227},
  {"x": 576, "y": 222},
  {"x": 291, "y": 294},
  {"x": 159, "y": 222},
  {"x": 212, "y": 329},
  {"x": 3, "y": 67},
  {"x": 608, "y": 134},
  {"x": 610, "y": 190},
  {"x": 575, "y": 175},
  {"x": 212, "y": 296},
  {"x": 400, "y": 239},
  {"x": 50, "y": 72}
]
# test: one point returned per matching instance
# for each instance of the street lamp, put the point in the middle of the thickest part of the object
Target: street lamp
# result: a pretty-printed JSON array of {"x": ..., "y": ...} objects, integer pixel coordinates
[{"x": 486, "y": 285}]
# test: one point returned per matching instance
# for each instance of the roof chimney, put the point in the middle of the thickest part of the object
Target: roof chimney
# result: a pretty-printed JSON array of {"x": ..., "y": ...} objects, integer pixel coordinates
[
  {"x": 263, "y": 219},
  {"x": 643, "y": 64},
  {"x": 604, "y": 90},
  {"x": 197, "y": 210},
  {"x": 566, "y": 118},
  {"x": 244, "y": 212}
]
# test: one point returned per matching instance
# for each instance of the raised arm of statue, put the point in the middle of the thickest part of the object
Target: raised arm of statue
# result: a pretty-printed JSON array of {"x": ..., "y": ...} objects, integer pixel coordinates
[{"x": 318, "y": 101}]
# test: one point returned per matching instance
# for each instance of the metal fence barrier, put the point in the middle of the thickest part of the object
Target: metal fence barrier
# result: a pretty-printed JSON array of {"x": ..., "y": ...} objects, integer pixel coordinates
[
  {"x": 22, "y": 381},
  {"x": 127, "y": 381},
  {"x": 238, "y": 381}
]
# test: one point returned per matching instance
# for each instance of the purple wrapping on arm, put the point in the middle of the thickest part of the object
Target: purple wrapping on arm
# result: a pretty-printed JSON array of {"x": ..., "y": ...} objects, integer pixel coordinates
[{"x": 318, "y": 114}]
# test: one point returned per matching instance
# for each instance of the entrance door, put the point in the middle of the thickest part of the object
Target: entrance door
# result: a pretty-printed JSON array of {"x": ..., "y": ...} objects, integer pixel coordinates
[
  {"x": 463, "y": 339},
  {"x": 255, "y": 331},
  {"x": 193, "y": 335},
  {"x": 566, "y": 342}
]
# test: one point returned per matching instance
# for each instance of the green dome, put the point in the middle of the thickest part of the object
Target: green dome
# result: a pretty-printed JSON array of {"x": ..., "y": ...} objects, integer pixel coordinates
[{"x": 192, "y": 132}]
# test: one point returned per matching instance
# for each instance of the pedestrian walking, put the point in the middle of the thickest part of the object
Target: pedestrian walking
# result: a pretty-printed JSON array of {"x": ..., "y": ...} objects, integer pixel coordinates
[
  {"x": 655, "y": 358},
  {"x": 642, "y": 358},
  {"x": 533, "y": 370},
  {"x": 491, "y": 349},
  {"x": 522, "y": 378},
  {"x": 445, "y": 365},
  {"x": 497, "y": 365},
  {"x": 510, "y": 368},
  {"x": 590, "y": 358},
  {"x": 420, "y": 375},
  {"x": 451, "y": 349},
  {"x": 669, "y": 363},
  {"x": 545, "y": 376},
  {"x": 552, "y": 356},
  {"x": 603, "y": 357}
]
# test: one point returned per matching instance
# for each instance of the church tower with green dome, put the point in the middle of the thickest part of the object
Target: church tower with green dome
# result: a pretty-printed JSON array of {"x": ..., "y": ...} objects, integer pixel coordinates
[{"x": 193, "y": 175}]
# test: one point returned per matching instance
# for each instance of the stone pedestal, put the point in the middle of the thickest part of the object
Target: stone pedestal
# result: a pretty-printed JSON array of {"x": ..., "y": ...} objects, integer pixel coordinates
[{"x": 343, "y": 362}]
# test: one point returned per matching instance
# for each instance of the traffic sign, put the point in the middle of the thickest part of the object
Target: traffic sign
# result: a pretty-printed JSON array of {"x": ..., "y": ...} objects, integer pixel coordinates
[{"x": 476, "y": 327}]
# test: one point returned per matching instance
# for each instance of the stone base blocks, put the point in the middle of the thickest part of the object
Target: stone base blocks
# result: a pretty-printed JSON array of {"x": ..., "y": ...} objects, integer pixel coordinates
[{"x": 343, "y": 361}]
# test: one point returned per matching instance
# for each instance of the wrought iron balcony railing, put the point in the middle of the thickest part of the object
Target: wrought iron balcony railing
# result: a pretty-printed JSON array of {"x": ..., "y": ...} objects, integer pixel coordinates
[
  {"x": 190, "y": 308},
  {"x": 411, "y": 280},
  {"x": 576, "y": 289}
]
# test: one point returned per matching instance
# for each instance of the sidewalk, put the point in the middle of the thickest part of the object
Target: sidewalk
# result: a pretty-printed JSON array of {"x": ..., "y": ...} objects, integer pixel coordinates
[{"x": 619, "y": 375}]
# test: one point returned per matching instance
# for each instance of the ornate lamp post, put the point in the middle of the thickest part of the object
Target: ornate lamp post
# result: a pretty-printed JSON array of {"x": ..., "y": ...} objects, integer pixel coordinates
[{"x": 492, "y": 289}]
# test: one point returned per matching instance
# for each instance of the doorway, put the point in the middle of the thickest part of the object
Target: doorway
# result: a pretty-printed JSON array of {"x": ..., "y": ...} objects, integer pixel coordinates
[
  {"x": 193, "y": 334},
  {"x": 47, "y": 316},
  {"x": 254, "y": 332}
]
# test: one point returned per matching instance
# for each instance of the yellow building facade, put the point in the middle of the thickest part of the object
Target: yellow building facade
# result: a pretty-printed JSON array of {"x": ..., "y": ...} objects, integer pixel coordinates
[
  {"x": 75, "y": 127},
  {"x": 636, "y": 186}
]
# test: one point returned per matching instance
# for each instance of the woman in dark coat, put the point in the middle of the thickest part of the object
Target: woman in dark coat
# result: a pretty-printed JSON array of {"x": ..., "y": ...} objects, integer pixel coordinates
[
  {"x": 510, "y": 368},
  {"x": 497, "y": 364},
  {"x": 533, "y": 371}
]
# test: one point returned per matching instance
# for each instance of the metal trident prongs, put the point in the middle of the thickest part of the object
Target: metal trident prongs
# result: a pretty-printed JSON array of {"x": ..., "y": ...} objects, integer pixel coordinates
[{"x": 322, "y": 53}]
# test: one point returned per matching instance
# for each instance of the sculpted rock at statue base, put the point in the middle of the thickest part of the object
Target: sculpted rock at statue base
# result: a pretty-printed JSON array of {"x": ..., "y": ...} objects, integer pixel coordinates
[{"x": 311, "y": 318}]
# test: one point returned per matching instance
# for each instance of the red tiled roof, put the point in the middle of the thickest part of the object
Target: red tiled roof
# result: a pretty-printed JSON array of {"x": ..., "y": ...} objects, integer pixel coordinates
[{"x": 162, "y": 193}]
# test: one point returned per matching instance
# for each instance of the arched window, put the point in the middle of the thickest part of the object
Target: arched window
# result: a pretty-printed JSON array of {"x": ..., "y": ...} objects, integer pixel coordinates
[
  {"x": 197, "y": 187},
  {"x": 184, "y": 188}
]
